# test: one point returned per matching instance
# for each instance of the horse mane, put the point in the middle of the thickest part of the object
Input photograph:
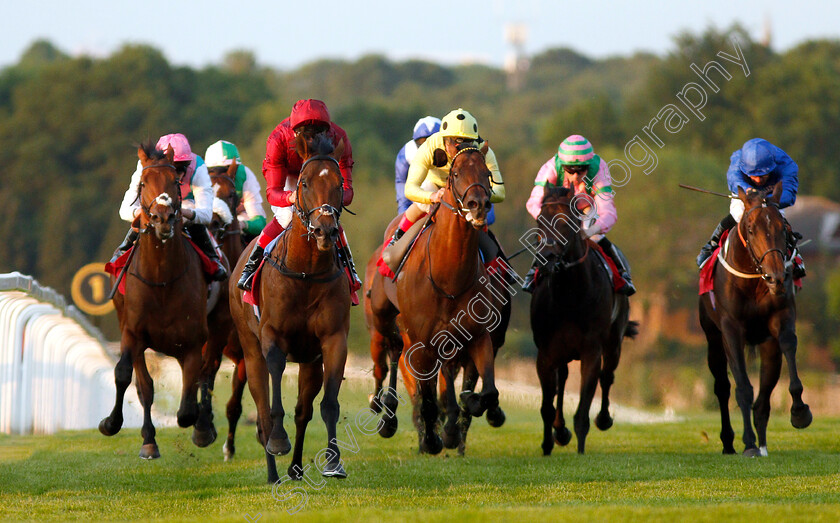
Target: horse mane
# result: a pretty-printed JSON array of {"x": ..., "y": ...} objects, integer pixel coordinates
[
  {"x": 152, "y": 151},
  {"x": 555, "y": 193}
]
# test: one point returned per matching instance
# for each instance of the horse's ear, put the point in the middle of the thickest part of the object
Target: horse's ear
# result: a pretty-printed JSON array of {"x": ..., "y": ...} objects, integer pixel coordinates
[
  {"x": 777, "y": 193},
  {"x": 301, "y": 147},
  {"x": 170, "y": 153},
  {"x": 232, "y": 168},
  {"x": 484, "y": 148},
  {"x": 439, "y": 158},
  {"x": 338, "y": 152},
  {"x": 141, "y": 154},
  {"x": 742, "y": 195}
]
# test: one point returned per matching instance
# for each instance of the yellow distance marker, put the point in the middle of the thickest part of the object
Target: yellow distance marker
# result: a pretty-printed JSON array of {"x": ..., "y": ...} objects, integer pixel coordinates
[{"x": 89, "y": 289}]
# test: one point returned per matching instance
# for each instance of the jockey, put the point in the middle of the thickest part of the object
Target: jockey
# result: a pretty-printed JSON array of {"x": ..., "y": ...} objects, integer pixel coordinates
[
  {"x": 281, "y": 168},
  {"x": 757, "y": 166},
  {"x": 424, "y": 128},
  {"x": 425, "y": 183},
  {"x": 196, "y": 199},
  {"x": 586, "y": 173},
  {"x": 252, "y": 217}
]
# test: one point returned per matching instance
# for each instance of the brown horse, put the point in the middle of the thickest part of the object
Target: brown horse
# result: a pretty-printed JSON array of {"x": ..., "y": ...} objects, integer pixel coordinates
[
  {"x": 444, "y": 305},
  {"x": 223, "y": 338},
  {"x": 575, "y": 315},
  {"x": 163, "y": 307},
  {"x": 304, "y": 313},
  {"x": 385, "y": 356},
  {"x": 753, "y": 304}
]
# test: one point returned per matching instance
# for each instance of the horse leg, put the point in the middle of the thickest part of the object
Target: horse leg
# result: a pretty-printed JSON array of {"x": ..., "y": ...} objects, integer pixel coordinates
[
  {"x": 278, "y": 442},
  {"x": 451, "y": 432},
  {"x": 481, "y": 352},
  {"x": 716, "y": 359},
  {"x": 495, "y": 416},
  {"x": 608, "y": 365},
  {"x": 548, "y": 383},
  {"x": 190, "y": 369},
  {"x": 733, "y": 338},
  {"x": 204, "y": 432},
  {"x": 430, "y": 441},
  {"x": 310, "y": 377},
  {"x": 771, "y": 367},
  {"x": 379, "y": 354},
  {"x": 335, "y": 358},
  {"x": 464, "y": 418},
  {"x": 146, "y": 391},
  {"x": 388, "y": 399},
  {"x": 122, "y": 378},
  {"x": 589, "y": 372},
  {"x": 562, "y": 434},
  {"x": 234, "y": 407},
  {"x": 783, "y": 329},
  {"x": 257, "y": 373}
]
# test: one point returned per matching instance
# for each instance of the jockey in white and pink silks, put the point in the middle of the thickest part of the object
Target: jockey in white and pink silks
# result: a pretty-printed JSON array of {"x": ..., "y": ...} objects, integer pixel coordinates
[{"x": 577, "y": 167}]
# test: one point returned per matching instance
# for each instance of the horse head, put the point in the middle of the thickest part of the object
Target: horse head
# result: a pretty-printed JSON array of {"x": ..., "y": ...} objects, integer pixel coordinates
[
  {"x": 320, "y": 189},
  {"x": 224, "y": 187},
  {"x": 559, "y": 222},
  {"x": 469, "y": 183},
  {"x": 160, "y": 191},
  {"x": 763, "y": 233}
]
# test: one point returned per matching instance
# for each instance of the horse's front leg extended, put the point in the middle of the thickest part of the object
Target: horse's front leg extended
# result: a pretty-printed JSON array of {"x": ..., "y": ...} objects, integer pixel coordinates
[
  {"x": 783, "y": 328},
  {"x": 145, "y": 388},
  {"x": 309, "y": 385},
  {"x": 122, "y": 378},
  {"x": 771, "y": 367},
  {"x": 451, "y": 432},
  {"x": 278, "y": 442}
]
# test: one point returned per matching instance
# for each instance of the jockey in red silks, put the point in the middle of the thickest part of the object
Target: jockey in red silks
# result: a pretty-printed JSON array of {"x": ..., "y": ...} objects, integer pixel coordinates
[
  {"x": 281, "y": 169},
  {"x": 577, "y": 167}
]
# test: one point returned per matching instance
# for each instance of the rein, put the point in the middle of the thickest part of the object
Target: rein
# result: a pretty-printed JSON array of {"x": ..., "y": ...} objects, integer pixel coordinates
[
  {"x": 757, "y": 261},
  {"x": 560, "y": 260}
]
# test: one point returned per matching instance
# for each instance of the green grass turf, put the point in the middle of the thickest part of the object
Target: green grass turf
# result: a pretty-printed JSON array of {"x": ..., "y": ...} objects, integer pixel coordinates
[{"x": 663, "y": 471}]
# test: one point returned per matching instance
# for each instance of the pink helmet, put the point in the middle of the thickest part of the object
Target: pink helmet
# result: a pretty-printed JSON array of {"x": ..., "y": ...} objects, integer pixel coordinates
[{"x": 179, "y": 144}]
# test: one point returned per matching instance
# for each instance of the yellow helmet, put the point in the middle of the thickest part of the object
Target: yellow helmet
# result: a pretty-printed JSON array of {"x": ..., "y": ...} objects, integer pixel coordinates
[{"x": 459, "y": 123}]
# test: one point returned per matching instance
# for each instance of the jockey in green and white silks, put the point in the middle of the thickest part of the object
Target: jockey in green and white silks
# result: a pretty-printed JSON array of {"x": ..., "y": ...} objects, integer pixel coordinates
[{"x": 252, "y": 217}]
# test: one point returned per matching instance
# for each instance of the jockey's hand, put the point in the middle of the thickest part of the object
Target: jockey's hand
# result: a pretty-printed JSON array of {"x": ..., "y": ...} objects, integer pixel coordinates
[
  {"x": 188, "y": 214},
  {"x": 592, "y": 231},
  {"x": 292, "y": 197},
  {"x": 436, "y": 196}
]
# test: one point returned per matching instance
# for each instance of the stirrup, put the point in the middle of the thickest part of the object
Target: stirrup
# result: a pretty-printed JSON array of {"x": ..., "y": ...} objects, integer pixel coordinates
[{"x": 246, "y": 280}]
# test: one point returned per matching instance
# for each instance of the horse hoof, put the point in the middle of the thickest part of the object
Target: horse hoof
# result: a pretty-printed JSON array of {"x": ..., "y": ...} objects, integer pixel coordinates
[
  {"x": 295, "y": 472},
  {"x": 432, "y": 445},
  {"x": 149, "y": 451},
  {"x": 188, "y": 419},
  {"x": 562, "y": 436},
  {"x": 603, "y": 421},
  {"x": 278, "y": 447},
  {"x": 203, "y": 438},
  {"x": 389, "y": 427},
  {"x": 729, "y": 450},
  {"x": 496, "y": 417},
  {"x": 451, "y": 440},
  {"x": 547, "y": 448},
  {"x": 801, "y": 417},
  {"x": 472, "y": 403},
  {"x": 334, "y": 471},
  {"x": 109, "y": 428},
  {"x": 228, "y": 450},
  {"x": 375, "y": 405},
  {"x": 752, "y": 453}
]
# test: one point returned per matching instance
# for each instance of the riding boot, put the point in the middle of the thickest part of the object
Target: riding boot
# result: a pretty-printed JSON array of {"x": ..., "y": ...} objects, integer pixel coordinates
[
  {"x": 706, "y": 251},
  {"x": 126, "y": 244},
  {"x": 793, "y": 238},
  {"x": 250, "y": 268},
  {"x": 201, "y": 237},
  {"x": 530, "y": 278},
  {"x": 396, "y": 237},
  {"x": 346, "y": 258},
  {"x": 628, "y": 289}
]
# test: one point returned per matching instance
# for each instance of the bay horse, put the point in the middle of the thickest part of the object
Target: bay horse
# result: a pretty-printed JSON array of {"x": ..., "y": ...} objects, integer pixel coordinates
[
  {"x": 575, "y": 315},
  {"x": 304, "y": 313},
  {"x": 386, "y": 356},
  {"x": 753, "y": 305},
  {"x": 163, "y": 306},
  {"x": 223, "y": 338},
  {"x": 437, "y": 295}
]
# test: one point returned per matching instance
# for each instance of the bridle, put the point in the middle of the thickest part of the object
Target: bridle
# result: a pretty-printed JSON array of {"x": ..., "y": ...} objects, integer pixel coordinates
[
  {"x": 745, "y": 240},
  {"x": 162, "y": 199},
  {"x": 462, "y": 209},
  {"x": 560, "y": 260},
  {"x": 222, "y": 232},
  {"x": 325, "y": 209}
]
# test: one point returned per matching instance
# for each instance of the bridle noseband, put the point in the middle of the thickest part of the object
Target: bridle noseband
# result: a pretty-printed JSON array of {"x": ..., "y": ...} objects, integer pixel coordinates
[
  {"x": 326, "y": 209},
  {"x": 745, "y": 240},
  {"x": 163, "y": 198}
]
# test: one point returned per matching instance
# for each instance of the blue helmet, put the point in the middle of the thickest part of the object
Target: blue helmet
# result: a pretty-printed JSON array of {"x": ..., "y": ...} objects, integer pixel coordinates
[
  {"x": 426, "y": 127},
  {"x": 756, "y": 158}
]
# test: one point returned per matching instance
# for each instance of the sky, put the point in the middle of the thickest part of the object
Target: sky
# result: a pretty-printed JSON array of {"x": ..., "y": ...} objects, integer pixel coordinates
[{"x": 285, "y": 34}]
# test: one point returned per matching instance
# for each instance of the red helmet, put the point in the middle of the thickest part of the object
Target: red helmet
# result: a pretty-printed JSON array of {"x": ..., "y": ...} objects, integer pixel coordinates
[{"x": 309, "y": 111}]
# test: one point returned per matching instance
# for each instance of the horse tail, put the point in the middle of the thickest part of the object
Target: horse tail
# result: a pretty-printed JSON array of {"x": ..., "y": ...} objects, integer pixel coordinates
[{"x": 631, "y": 330}]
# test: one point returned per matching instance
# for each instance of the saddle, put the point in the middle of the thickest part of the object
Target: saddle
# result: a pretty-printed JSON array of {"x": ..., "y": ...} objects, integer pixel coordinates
[{"x": 392, "y": 256}]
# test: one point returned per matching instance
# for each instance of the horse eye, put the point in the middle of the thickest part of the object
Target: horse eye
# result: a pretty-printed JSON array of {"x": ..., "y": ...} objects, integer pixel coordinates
[{"x": 303, "y": 184}]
